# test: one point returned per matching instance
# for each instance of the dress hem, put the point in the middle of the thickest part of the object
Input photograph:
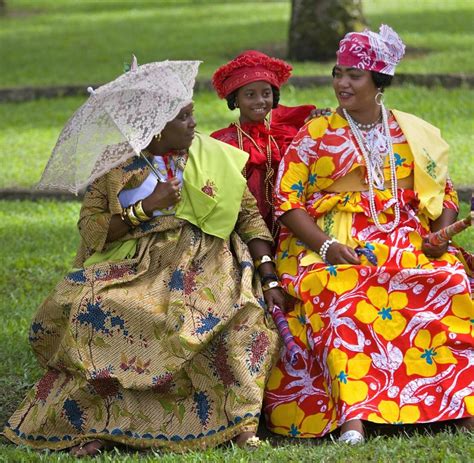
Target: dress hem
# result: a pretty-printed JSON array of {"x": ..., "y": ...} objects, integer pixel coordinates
[
  {"x": 247, "y": 425},
  {"x": 321, "y": 435}
]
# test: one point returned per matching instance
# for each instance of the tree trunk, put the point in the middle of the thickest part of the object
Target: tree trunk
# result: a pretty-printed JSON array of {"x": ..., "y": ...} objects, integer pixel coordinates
[
  {"x": 317, "y": 26},
  {"x": 3, "y": 7}
]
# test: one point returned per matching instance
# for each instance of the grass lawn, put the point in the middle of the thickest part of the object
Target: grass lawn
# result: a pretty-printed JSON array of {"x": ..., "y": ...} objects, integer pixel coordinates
[
  {"x": 442, "y": 447},
  {"x": 28, "y": 131},
  {"x": 39, "y": 241},
  {"x": 45, "y": 42}
]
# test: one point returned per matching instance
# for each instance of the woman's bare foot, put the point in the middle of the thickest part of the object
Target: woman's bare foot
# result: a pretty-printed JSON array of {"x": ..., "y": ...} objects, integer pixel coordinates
[
  {"x": 90, "y": 449},
  {"x": 247, "y": 439},
  {"x": 352, "y": 432}
]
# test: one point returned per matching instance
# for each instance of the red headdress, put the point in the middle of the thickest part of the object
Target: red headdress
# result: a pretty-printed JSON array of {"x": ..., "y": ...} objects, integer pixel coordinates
[
  {"x": 371, "y": 51},
  {"x": 250, "y": 66}
]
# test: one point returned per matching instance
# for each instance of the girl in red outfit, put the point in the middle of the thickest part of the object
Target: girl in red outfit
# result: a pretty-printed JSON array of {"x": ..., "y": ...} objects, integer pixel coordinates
[{"x": 251, "y": 82}]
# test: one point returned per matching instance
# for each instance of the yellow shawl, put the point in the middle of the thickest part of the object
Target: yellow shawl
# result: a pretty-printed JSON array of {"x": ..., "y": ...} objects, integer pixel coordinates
[{"x": 430, "y": 153}]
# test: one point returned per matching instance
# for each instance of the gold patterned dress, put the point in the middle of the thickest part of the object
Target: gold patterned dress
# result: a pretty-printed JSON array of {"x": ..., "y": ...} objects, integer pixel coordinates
[
  {"x": 170, "y": 348},
  {"x": 390, "y": 342}
]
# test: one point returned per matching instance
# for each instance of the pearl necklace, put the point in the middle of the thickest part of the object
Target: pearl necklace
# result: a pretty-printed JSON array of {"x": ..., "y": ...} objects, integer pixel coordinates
[
  {"x": 367, "y": 126},
  {"x": 393, "y": 171}
]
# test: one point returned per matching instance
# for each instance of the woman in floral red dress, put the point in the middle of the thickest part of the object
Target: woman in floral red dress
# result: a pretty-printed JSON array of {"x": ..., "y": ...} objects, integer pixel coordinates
[
  {"x": 384, "y": 320},
  {"x": 251, "y": 82}
]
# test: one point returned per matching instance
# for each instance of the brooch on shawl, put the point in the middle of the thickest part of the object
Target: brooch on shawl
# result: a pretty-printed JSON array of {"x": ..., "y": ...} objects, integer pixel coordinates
[{"x": 209, "y": 188}]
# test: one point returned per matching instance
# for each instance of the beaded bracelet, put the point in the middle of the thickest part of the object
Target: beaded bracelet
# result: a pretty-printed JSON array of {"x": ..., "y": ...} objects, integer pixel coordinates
[{"x": 323, "y": 250}]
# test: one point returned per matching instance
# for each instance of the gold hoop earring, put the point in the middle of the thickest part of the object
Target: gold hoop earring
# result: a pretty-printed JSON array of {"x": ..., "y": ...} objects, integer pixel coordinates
[
  {"x": 157, "y": 137},
  {"x": 379, "y": 98}
]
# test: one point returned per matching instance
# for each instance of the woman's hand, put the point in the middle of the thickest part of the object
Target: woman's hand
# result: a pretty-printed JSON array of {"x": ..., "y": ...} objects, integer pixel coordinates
[
  {"x": 432, "y": 250},
  {"x": 341, "y": 254},
  {"x": 274, "y": 296},
  {"x": 164, "y": 195},
  {"x": 318, "y": 112}
]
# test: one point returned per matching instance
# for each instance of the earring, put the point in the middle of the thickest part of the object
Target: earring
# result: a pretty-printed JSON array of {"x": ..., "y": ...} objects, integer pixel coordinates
[
  {"x": 236, "y": 104},
  {"x": 157, "y": 137},
  {"x": 379, "y": 98}
]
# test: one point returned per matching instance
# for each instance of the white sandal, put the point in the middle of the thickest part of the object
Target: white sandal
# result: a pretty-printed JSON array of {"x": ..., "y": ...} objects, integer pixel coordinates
[{"x": 352, "y": 437}]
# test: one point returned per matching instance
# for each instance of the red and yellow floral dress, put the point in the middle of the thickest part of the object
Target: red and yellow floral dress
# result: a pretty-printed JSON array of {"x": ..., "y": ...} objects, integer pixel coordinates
[
  {"x": 265, "y": 147},
  {"x": 387, "y": 343}
]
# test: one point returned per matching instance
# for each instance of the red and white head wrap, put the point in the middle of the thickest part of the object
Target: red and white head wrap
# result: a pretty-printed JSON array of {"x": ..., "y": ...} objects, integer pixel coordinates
[
  {"x": 371, "y": 51},
  {"x": 250, "y": 66}
]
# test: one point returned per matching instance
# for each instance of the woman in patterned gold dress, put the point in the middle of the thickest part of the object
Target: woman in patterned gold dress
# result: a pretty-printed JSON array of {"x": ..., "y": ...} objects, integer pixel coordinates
[
  {"x": 384, "y": 320},
  {"x": 159, "y": 336}
]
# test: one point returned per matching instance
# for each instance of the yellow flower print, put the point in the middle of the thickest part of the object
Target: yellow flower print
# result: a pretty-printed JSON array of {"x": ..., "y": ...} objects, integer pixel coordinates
[
  {"x": 317, "y": 127},
  {"x": 391, "y": 413},
  {"x": 415, "y": 260},
  {"x": 293, "y": 182},
  {"x": 312, "y": 283},
  {"x": 340, "y": 278},
  {"x": 291, "y": 420},
  {"x": 321, "y": 172},
  {"x": 382, "y": 310},
  {"x": 469, "y": 401},
  {"x": 287, "y": 264},
  {"x": 349, "y": 201},
  {"x": 463, "y": 321},
  {"x": 403, "y": 161},
  {"x": 346, "y": 373},
  {"x": 336, "y": 278},
  {"x": 423, "y": 359},
  {"x": 299, "y": 318},
  {"x": 275, "y": 378}
]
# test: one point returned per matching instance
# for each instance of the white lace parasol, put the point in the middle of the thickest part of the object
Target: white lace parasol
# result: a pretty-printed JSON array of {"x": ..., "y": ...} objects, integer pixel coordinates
[{"x": 118, "y": 121}]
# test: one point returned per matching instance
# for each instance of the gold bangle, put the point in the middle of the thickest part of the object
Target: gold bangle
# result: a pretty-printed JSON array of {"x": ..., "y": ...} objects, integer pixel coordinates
[
  {"x": 140, "y": 213},
  {"x": 263, "y": 260},
  {"x": 125, "y": 219},
  {"x": 271, "y": 285},
  {"x": 132, "y": 217}
]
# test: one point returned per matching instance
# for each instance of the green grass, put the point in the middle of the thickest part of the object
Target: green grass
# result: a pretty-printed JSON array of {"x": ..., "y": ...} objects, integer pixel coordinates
[
  {"x": 45, "y": 42},
  {"x": 28, "y": 131},
  {"x": 39, "y": 240},
  {"x": 443, "y": 447}
]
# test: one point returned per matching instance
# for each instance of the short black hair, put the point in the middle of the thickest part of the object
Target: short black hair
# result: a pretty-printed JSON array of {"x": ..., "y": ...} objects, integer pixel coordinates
[
  {"x": 231, "y": 97},
  {"x": 381, "y": 81}
]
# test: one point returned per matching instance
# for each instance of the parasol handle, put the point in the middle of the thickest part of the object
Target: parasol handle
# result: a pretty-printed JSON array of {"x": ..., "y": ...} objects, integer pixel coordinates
[
  {"x": 152, "y": 167},
  {"x": 445, "y": 234}
]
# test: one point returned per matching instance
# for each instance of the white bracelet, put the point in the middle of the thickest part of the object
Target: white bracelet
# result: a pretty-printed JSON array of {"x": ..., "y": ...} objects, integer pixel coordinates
[{"x": 323, "y": 250}]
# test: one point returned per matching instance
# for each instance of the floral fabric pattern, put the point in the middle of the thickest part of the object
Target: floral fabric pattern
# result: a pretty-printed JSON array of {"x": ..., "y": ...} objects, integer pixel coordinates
[
  {"x": 170, "y": 348},
  {"x": 388, "y": 343}
]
